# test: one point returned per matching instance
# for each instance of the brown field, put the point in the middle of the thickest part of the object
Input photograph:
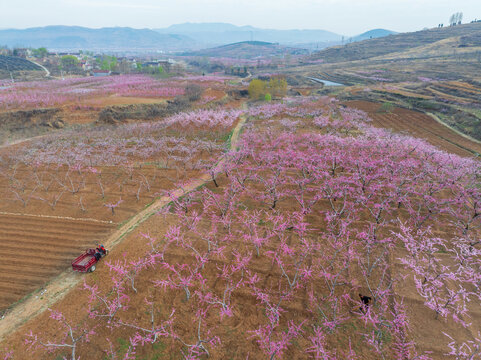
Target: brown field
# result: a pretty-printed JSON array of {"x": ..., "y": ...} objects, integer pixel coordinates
[
  {"x": 116, "y": 182},
  {"x": 214, "y": 93},
  {"x": 419, "y": 125},
  {"x": 34, "y": 249},
  {"x": 72, "y": 115}
]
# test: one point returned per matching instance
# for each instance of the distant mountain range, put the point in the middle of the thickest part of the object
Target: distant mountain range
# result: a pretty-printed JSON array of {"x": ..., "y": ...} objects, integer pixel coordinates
[
  {"x": 175, "y": 38},
  {"x": 221, "y": 34},
  {"x": 64, "y": 38}
]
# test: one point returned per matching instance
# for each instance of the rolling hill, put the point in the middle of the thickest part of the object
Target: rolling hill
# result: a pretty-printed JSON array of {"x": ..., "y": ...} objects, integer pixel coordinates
[
  {"x": 398, "y": 43},
  {"x": 247, "y": 50},
  {"x": 373, "y": 34},
  {"x": 435, "y": 71}
]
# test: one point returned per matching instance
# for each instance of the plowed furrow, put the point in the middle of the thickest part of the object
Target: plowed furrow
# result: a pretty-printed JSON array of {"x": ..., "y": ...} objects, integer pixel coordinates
[
  {"x": 8, "y": 299},
  {"x": 53, "y": 229},
  {"x": 27, "y": 270},
  {"x": 44, "y": 254},
  {"x": 60, "y": 222},
  {"x": 424, "y": 130},
  {"x": 18, "y": 289},
  {"x": 30, "y": 240},
  {"x": 18, "y": 278},
  {"x": 42, "y": 248},
  {"x": 33, "y": 263},
  {"x": 48, "y": 237}
]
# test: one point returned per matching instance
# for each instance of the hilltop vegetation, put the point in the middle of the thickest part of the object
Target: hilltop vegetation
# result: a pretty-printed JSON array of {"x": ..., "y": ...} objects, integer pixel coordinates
[{"x": 373, "y": 48}]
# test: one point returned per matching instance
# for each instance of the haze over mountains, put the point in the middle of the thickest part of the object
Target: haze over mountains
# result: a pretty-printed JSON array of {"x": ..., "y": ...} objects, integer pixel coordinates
[
  {"x": 221, "y": 34},
  {"x": 181, "y": 37},
  {"x": 65, "y": 38}
]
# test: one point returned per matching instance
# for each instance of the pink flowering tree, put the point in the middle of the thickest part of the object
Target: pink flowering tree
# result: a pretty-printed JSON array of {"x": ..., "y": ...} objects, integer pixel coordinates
[{"x": 71, "y": 336}]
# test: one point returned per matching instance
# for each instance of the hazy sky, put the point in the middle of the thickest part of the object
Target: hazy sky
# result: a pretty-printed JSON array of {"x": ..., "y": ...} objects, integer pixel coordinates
[{"x": 348, "y": 17}]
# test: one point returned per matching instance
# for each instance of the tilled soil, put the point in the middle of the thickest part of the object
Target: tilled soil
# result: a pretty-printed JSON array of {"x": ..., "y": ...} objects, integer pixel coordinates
[
  {"x": 419, "y": 125},
  {"x": 34, "y": 249}
]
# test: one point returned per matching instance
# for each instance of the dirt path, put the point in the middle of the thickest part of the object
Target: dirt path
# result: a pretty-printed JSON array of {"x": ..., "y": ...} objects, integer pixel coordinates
[
  {"x": 20, "y": 141},
  {"x": 453, "y": 129},
  {"x": 41, "y": 299},
  {"x": 47, "y": 72}
]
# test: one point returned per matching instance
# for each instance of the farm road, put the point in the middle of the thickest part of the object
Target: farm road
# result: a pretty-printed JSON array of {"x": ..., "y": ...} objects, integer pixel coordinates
[
  {"x": 42, "y": 299},
  {"x": 47, "y": 72}
]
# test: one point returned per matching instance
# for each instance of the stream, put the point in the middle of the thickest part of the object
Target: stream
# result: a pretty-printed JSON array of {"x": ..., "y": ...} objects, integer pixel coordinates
[{"x": 325, "y": 82}]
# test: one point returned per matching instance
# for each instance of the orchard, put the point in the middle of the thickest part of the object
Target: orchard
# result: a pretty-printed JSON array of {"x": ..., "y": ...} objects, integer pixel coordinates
[{"x": 318, "y": 236}]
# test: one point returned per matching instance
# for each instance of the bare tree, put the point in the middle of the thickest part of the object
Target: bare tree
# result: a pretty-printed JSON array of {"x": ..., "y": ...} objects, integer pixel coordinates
[{"x": 456, "y": 19}]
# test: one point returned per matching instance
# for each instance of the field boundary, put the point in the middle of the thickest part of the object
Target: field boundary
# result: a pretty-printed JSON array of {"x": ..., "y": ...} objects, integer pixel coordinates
[
  {"x": 434, "y": 117},
  {"x": 60, "y": 218},
  {"x": 42, "y": 299}
]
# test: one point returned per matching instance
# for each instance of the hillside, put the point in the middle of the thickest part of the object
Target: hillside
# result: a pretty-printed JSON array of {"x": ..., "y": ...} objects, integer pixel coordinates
[
  {"x": 12, "y": 67},
  {"x": 65, "y": 38},
  {"x": 433, "y": 71},
  {"x": 13, "y": 63},
  {"x": 372, "y": 48},
  {"x": 247, "y": 50}
]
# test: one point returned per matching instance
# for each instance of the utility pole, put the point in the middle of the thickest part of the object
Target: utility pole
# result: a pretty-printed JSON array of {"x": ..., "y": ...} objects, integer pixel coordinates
[{"x": 11, "y": 76}]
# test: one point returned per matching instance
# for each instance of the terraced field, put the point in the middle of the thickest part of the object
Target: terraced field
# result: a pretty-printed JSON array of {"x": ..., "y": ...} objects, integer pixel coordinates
[
  {"x": 13, "y": 63},
  {"x": 419, "y": 125},
  {"x": 33, "y": 249}
]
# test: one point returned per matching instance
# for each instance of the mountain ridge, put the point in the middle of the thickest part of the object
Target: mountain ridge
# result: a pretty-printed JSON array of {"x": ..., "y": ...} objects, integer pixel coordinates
[
  {"x": 61, "y": 37},
  {"x": 213, "y": 34},
  {"x": 175, "y": 38}
]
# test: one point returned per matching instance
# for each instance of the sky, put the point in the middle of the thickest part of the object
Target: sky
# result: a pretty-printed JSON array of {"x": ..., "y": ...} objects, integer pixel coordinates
[{"x": 346, "y": 17}]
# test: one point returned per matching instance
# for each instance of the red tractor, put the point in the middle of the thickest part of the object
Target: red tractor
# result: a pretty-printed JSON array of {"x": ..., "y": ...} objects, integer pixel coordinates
[{"x": 86, "y": 262}]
